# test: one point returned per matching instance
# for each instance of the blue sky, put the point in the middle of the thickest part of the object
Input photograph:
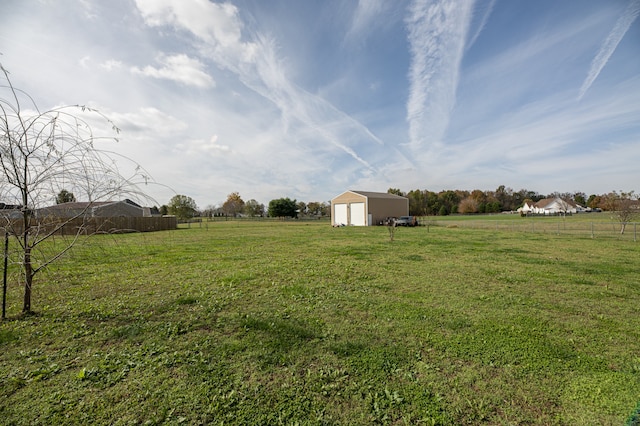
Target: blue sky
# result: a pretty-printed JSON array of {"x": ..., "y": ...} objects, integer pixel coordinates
[{"x": 306, "y": 99}]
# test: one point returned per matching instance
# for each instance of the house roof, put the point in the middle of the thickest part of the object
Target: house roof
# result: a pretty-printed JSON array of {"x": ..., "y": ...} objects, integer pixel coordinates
[
  {"x": 548, "y": 201},
  {"x": 377, "y": 194},
  {"x": 79, "y": 205},
  {"x": 89, "y": 204}
]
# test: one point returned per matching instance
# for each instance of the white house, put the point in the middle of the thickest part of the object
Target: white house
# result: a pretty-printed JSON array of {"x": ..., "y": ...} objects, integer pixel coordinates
[{"x": 549, "y": 206}]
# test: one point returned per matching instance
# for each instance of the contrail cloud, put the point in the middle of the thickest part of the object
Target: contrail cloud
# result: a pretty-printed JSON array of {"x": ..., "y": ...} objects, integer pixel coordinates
[
  {"x": 610, "y": 43},
  {"x": 437, "y": 30}
]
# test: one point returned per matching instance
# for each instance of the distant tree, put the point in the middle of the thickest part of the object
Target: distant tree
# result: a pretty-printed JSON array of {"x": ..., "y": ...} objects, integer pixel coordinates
[
  {"x": 517, "y": 200},
  {"x": 182, "y": 206},
  {"x": 443, "y": 211},
  {"x": 65, "y": 196},
  {"x": 417, "y": 205},
  {"x": 316, "y": 208},
  {"x": 234, "y": 204},
  {"x": 580, "y": 198},
  {"x": 209, "y": 211},
  {"x": 253, "y": 208},
  {"x": 302, "y": 208},
  {"x": 624, "y": 206},
  {"x": 431, "y": 203},
  {"x": 468, "y": 205},
  {"x": 283, "y": 207},
  {"x": 449, "y": 200},
  {"x": 164, "y": 210},
  {"x": 40, "y": 151},
  {"x": 593, "y": 201},
  {"x": 395, "y": 191},
  {"x": 532, "y": 195}
]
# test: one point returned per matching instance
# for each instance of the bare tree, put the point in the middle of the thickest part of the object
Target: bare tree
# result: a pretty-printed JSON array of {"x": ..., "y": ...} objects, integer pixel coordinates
[
  {"x": 41, "y": 154},
  {"x": 391, "y": 227},
  {"x": 624, "y": 206}
]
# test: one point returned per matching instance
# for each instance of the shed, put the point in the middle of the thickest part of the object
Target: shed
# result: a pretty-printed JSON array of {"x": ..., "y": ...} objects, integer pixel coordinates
[{"x": 361, "y": 208}]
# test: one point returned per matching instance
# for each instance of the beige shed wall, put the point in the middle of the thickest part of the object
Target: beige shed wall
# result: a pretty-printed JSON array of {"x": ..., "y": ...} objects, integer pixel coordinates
[
  {"x": 378, "y": 208},
  {"x": 382, "y": 208},
  {"x": 347, "y": 198}
]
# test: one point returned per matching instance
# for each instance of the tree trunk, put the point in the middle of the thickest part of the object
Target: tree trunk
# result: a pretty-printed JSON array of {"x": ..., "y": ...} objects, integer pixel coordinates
[
  {"x": 624, "y": 225},
  {"x": 28, "y": 267},
  {"x": 28, "y": 275}
]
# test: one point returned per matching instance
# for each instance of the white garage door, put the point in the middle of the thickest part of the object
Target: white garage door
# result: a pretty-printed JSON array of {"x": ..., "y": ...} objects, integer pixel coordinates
[
  {"x": 358, "y": 217},
  {"x": 340, "y": 214}
]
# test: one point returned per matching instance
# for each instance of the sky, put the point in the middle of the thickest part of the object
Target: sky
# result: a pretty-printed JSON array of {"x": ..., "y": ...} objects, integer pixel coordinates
[{"x": 308, "y": 99}]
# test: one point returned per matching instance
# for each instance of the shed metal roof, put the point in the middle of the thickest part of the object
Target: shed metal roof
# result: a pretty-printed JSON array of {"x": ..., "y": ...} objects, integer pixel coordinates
[{"x": 377, "y": 194}]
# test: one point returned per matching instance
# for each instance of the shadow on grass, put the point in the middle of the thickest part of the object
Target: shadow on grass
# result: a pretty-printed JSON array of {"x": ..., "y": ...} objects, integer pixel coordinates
[{"x": 275, "y": 338}]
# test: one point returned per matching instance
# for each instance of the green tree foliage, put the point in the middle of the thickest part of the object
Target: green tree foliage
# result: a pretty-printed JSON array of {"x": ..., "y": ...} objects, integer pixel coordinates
[
  {"x": 182, "y": 206},
  {"x": 316, "y": 208},
  {"x": 302, "y": 208},
  {"x": 253, "y": 208},
  {"x": 283, "y": 207},
  {"x": 416, "y": 203},
  {"x": 65, "y": 196},
  {"x": 580, "y": 198},
  {"x": 425, "y": 203}
]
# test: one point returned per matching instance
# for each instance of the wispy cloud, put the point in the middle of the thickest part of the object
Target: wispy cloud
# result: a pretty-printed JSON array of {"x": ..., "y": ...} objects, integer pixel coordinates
[
  {"x": 254, "y": 59},
  {"x": 179, "y": 68},
  {"x": 536, "y": 143},
  {"x": 364, "y": 17},
  {"x": 483, "y": 21},
  {"x": 610, "y": 43},
  {"x": 437, "y": 31}
]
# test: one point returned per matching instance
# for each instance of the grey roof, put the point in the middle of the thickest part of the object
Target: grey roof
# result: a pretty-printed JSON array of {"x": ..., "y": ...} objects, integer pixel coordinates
[
  {"x": 88, "y": 204},
  {"x": 378, "y": 194}
]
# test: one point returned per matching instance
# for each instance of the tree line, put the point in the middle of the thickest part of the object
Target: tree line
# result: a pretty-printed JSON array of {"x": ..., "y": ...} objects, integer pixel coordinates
[
  {"x": 421, "y": 203},
  {"x": 503, "y": 199},
  {"x": 185, "y": 207}
]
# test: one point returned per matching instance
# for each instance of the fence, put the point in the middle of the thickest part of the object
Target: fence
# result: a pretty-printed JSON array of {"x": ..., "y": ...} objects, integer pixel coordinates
[
  {"x": 545, "y": 226},
  {"x": 97, "y": 225}
]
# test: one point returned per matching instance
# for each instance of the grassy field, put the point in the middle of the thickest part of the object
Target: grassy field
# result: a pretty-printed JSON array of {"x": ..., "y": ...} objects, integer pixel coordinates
[{"x": 301, "y": 323}]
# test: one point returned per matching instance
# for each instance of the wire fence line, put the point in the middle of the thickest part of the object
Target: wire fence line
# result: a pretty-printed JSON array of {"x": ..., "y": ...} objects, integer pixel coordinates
[
  {"x": 539, "y": 225},
  {"x": 573, "y": 228}
]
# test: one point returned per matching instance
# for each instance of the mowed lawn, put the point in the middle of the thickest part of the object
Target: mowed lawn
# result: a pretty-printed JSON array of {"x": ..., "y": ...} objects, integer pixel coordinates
[{"x": 300, "y": 323}]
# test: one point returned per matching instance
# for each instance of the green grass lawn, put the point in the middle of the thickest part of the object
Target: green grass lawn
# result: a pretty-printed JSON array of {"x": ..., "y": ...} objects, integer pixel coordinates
[{"x": 302, "y": 323}]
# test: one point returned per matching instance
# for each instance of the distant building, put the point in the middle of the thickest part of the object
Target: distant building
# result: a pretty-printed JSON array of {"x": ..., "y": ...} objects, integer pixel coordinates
[
  {"x": 124, "y": 208},
  {"x": 549, "y": 206},
  {"x": 10, "y": 211},
  {"x": 362, "y": 208}
]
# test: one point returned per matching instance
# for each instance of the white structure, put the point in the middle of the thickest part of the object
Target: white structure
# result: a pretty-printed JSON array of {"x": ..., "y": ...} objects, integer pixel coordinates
[{"x": 549, "y": 206}]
